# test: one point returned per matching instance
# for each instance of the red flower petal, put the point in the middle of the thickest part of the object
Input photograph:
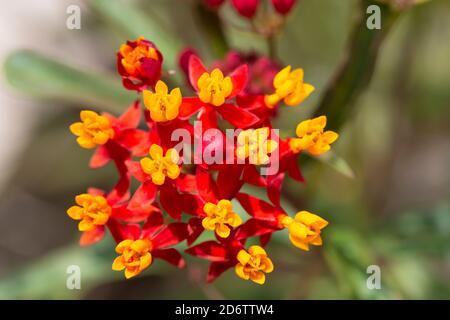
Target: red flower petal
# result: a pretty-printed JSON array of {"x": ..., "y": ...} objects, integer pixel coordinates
[
  {"x": 209, "y": 250},
  {"x": 265, "y": 238},
  {"x": 144, "y": 195},
  {"x": 136, "y": 171},
  {"x": 196, "y": 69},
  {"x": 96, "y": 192},
  {"x": 170, "y": 255},
  {"x": 208, "y": 118},
  {"x": 274, "y": 188},
  {"x": 186, "y": 183},
  {"x": 99, "y": 158},
  {"x": 130, "y": 138},
  {"x": 253, "y": 228},
  {"x": 217, "y": 268},
  {"x": 258, "y": 208},
  {"x": 93, "y": 236},
  {"x": 238, "y": 117},
  {"x": 239, "y": 77},
  {"x": 130, "y": 231},
  {"x": 154, "y": 223},
  {"x": 229, "y": 180},
  {"x": 131, "y": 117},
  {"x": 208, "y": 189},
  {"x": 189, "y": 106},
  {"x": 123, "y": 213},
  {"x": 191, "y": 204},
  {"x": 169, "y": 198},
  {"x": 195, "y": 229},
  {"x": 294, "y": 170},
  {"x": 252, "y": 176},
  {"x": 170, "y": 235}
]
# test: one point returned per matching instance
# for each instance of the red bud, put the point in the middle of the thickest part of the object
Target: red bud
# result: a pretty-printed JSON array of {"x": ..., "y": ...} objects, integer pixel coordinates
[
  {"x": 283, "y": 6},
  {"x": 246, "y": 8}
]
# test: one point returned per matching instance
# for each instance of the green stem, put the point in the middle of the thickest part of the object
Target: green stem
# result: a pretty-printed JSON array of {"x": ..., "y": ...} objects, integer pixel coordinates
[
  {"x": 272, "y": 46},
  {"x": 354, "y": 74},
  {"x": 213, "y": 30}
]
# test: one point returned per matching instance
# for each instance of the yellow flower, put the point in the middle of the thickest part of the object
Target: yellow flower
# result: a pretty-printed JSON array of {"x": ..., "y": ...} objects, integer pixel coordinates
[
  {"x": 163, "y": 106},
  {"x": 253, "y": 144},
  {"x": 312, "y": 137},
  {"x": 91, "y": 210},
  {"x": 131, "y": 60},
  {"x": 214, "y": 88},
  {"x": 289, "y": 86},
  {"x": 304, "y": 229},
  {"x": 134, "y": 257},
  {"x": 253, "y": 265},
  {"x": 219, "y": 217},
  {"x": 92, "y": 130},
  {"x": 160, "y": 166}
]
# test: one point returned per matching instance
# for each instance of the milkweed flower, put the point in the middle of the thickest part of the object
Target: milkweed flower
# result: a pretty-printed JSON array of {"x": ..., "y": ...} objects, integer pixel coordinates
[
  {"x": 289, "y": 87},
  {"x": 93, "y": 129},
  {"x": 134, "y": 257},
  {"x": 255, "y": 145},
  {"x": 153, "y": 241},
  {"x": 253, "y": 264},
  {"x": 161, "y": 165},
  {"x": 219, "y": 217},
  {"x": 312, "y": 137},
  {"x": 304, "y": 229},
  {"x": 139, "y": 63},
  {"x": 95, "y": 210},
  {"x": 145, "y": 220},
  {"x": 163, "y": 106}
]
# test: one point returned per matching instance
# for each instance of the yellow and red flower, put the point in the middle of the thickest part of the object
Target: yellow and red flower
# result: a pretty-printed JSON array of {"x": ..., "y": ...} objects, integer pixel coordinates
[
  {"x": 96, "y": 210},
  {"x": 141, "y": 246},
  {"x": 139, "y": 63},
  {"x": 215, "y": 90}
]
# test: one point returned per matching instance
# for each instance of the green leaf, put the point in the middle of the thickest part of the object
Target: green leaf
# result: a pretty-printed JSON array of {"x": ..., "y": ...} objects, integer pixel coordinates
[
  {"x": 44, "y": 78},
  {"x": 339, "y": 164}
]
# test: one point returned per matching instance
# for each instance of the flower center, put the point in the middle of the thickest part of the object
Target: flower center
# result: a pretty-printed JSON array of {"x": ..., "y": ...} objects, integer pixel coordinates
[
  {"x": 91, "y": 210},
  {"x": 253, "y": 264},
  {"x": 163, "y": 106},
  {"x": 312, "y": 137},
  {"x": 254, "y": 145},
  {"x": 214, "y": 88},
  {"x": 134, "y": 256},
  {"x": 220, "y": 218},
  {"x": 93, "y": 129},
  {"x": 159, "y": 166}
]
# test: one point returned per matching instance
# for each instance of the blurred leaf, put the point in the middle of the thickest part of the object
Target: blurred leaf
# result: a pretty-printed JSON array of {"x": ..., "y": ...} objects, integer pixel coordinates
[
  {"x": 46, "y": 278},
  {"x": 339, "y": 164},
  {"x": 133, "y": 23},
  {"x": 214, "y": 32},
  {"x": 355, "y": 73},
  {"x": 348, "y": 255},
  {"x": 45, "y": 78}
]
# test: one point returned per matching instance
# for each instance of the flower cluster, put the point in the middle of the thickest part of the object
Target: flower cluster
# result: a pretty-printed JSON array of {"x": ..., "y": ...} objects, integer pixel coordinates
[{"x": 176, "y": 201}]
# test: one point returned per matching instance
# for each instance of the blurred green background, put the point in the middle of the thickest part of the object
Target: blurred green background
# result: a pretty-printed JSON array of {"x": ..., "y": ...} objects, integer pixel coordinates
[{"x": 385, "y": 190}]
